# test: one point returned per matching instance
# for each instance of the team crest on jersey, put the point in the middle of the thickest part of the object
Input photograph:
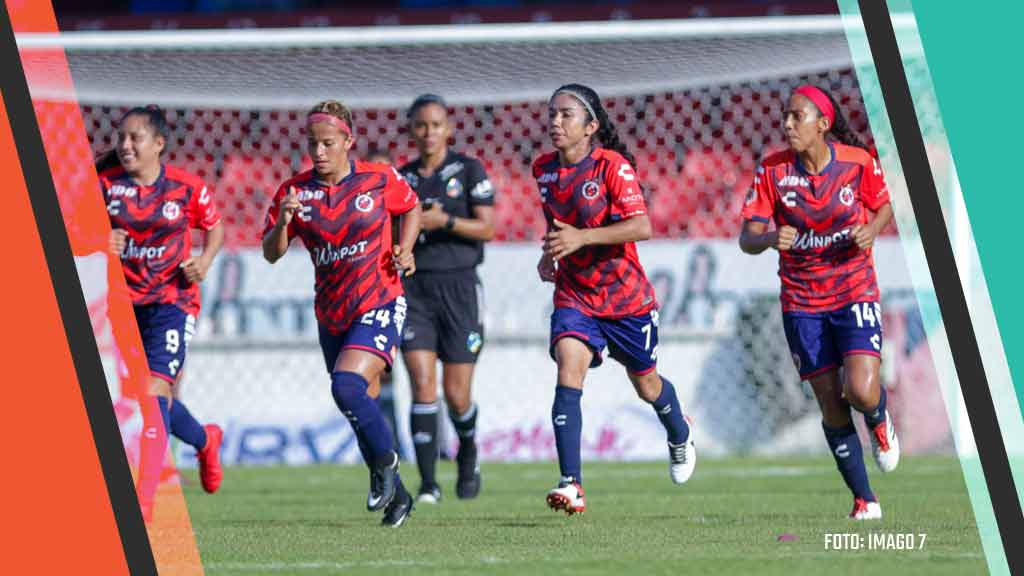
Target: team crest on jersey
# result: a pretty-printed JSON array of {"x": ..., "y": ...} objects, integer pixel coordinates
[
  {"x": 454, "y": 188},
  {"x": 591, "y": 189},
  {"x": 846, "y": 195},
  {"x": 364, "y": 203},
  {"x": 171, "y": 210}
]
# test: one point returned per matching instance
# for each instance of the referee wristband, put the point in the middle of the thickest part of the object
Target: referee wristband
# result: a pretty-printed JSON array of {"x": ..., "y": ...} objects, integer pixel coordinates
[{"x": 450, "y": 223}]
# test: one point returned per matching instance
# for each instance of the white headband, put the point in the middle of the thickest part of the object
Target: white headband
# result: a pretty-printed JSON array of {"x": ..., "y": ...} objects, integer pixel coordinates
[{"x": 579, "y": 97}]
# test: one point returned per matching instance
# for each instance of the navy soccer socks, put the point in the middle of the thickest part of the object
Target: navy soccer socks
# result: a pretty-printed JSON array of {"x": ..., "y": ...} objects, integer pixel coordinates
[
  {"x": 350, "y": 394},
  {"x": 567, "y": 418},
  {"x": 671, "y": 413},
  {"x": 846, "y": 449},
  {"x": 185, "y": 427}
]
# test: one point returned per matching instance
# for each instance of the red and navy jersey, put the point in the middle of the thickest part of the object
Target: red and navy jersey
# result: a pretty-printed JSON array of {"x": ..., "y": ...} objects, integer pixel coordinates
[
  {"x": 347, "y": 230},
  {"x": 600, "y": 281},
  {"x": 824, "y": 270},
  {"x": 158, "y": 219}
]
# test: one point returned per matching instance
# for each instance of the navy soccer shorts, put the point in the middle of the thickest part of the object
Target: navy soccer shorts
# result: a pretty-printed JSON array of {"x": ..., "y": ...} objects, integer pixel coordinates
[
  {"x": 378, "y": 331},
  {"x": 820, "y": 340},
  {"x": 166, "y": 331},
  {"x": 632, "y": 341}
]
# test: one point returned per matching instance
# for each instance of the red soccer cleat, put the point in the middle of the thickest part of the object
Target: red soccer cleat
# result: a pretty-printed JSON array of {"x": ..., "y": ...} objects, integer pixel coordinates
[
  {"x": 864, "y": 510},
  {"x": 567, "y": 497},
  {"x": 210, "y": 471}
]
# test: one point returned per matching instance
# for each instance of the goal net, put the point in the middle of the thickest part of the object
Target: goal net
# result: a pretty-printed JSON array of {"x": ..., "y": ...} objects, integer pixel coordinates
[{"x": 698, "y": 101}]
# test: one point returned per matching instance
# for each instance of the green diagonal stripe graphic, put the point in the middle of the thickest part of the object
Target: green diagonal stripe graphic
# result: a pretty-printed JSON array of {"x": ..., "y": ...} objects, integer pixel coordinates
[{"x": 973, "y": 281}]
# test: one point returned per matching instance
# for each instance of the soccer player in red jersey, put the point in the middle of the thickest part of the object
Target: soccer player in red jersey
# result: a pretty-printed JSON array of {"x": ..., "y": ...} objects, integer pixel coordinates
[
  {"x": 341, "y": 211},
  {"x": 828, "y": 201},
  {"x": 595, "y": 210},
  {"x": 152, "y": 207}
]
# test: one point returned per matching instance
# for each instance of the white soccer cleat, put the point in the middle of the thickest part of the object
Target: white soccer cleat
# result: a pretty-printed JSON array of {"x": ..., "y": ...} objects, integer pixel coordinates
[
  {"x": 429, "y": 494},
  {"x": 864, "y": 510},
  {"x": 682, "y": 460},
  {"x": 568, "y": 497},
  {"x": 885, "y": 446}
]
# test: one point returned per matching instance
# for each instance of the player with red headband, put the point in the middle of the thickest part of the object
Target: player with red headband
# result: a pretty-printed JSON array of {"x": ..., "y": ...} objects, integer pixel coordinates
[
  {"x": 341, "y": 210},
  {"x": 596, "y": 212},
  {"x": 828, "y": 201}
]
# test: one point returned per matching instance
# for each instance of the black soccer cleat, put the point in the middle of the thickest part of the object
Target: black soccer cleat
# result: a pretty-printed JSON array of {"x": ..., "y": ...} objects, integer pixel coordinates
[
  {"x": 467, "y": 485},
  {"x": 400, "y": 508},
  {"x": 382, "y": 483}
]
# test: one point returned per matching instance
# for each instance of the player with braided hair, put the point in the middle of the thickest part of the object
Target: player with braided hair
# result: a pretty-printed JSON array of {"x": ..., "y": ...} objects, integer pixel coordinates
[
  {"x": 596, "y": 211},
  {"x": 828, "y": 201}
]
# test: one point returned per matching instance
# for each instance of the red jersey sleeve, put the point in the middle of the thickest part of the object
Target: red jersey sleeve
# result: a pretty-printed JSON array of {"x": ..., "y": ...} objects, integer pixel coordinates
[
  {"x": 399, "y": 197},
  {"x": 274, "y": 209},
  {"x": 759, "y": 204},
  {"x": 873, "y": 191},
  {"x": 627, "y": 198},
  {"x": 202, "y": 213}
]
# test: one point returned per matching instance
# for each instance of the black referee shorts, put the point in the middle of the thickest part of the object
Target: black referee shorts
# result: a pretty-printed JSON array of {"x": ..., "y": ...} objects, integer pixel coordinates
[{"x": 444, "y": 314}]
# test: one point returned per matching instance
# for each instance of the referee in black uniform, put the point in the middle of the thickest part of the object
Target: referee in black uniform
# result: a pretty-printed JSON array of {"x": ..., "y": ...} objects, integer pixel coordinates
[{"x": 444, "y": 319}]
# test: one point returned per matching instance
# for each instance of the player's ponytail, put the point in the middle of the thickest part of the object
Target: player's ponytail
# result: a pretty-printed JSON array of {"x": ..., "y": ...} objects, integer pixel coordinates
[
  {"x": 107, "y": 160},
  {"x": 840, "y": 129},
  {"x": 607, "y": 135}
]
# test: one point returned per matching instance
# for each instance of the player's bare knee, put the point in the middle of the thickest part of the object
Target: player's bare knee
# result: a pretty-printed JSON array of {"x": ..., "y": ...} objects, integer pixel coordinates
[
  {"x": 834, "y": 412},
  {"x": 457, "y": 396},
  {"x": 160, "y": 387},
  {"x": 571, "y": 376},
  {"x": 862, "y": 392},
  {"x": 424, "y": 390},
  {"x": 647, "y": 386},
  {"x": 458, "y": 405}
]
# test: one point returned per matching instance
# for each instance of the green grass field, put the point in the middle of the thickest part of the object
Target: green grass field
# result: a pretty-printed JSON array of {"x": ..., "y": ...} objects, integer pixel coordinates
[{"x": 726, "y": 520}]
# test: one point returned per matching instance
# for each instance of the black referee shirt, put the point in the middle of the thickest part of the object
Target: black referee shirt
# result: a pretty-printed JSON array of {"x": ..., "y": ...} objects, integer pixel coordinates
[{"x": 458, "y": 184}]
